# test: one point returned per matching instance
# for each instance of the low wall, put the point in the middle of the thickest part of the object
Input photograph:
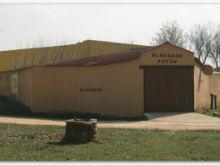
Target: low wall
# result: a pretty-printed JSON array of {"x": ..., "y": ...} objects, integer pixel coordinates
[
  {"x": 201, "y": 89},
  {"x": 215, "y": 86}
]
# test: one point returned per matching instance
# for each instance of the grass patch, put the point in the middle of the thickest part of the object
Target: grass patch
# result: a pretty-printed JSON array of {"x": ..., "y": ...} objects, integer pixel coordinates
[
  {"x": 19, "y": 142},
  {"x": 211, "y": 112}
]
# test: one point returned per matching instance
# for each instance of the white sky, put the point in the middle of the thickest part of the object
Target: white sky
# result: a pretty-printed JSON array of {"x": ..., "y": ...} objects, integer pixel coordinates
[{"x": 23, "y": 24}]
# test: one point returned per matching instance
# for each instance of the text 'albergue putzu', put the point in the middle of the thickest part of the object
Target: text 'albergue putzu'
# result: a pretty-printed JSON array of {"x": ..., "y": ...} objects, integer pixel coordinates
[{"x": 167, "y": 58}]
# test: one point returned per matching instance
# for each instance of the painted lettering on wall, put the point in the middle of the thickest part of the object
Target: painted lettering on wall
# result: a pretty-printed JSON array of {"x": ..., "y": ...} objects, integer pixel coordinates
[
  {"x": 167, "y": 58},
  {"x": 90, "y": 89}
]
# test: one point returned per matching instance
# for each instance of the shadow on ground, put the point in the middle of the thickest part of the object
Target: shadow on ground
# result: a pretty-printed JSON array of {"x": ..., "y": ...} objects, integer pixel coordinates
[{"x": 61, "y": 143}]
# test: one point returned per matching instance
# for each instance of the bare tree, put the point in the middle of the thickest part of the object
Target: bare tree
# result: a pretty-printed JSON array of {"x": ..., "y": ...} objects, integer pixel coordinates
[
  {"x": 14, "y": 63},
  {"x": 58, "y": 55},
  {"x": 215, "y": 54},
  {"x": 201, "y": 38},
  {"x": 171, "y": 32},
  {"x": 21, "y": 61}
]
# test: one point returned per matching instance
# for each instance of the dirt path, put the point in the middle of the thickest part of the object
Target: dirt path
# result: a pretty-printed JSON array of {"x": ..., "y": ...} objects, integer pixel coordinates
[{"x": 174, "y": 121}]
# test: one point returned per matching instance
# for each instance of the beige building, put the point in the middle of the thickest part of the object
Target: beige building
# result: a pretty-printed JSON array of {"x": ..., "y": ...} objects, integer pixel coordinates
[{"x": 124, "y": 83}]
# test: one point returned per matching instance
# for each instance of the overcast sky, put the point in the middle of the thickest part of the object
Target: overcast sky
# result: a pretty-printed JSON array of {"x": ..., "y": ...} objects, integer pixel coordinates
[{"x": 24, "y": 25}]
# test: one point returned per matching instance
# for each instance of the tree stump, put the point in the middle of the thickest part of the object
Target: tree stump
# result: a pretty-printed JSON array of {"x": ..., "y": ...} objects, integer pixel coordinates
[{"x": 80, "y": 131}]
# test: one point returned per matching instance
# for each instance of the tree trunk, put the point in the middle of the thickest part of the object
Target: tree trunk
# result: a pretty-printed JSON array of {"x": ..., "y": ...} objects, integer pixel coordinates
[{"x": 216, "y": 65}]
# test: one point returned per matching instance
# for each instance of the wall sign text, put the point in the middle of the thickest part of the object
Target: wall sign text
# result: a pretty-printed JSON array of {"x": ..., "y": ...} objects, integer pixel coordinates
[
  {"x": 167, "y": 58},
  {"x": 90, "y": 89}
]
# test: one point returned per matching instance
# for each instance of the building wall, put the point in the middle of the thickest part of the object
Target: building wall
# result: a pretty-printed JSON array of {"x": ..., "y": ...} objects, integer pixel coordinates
[
  {"x": 215, "y": 86},
  {"x": 202, "y": 88},
  {"x": 63, "y": 89},
  {"x": 25, "y": 87}
]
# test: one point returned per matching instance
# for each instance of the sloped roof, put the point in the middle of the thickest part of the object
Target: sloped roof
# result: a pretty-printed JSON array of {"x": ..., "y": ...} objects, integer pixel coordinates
[
  {"x": 105, "y": 59},
  {"x": 91, "y": 52},
  {"x": 102, "y": 59},
  {"x": 14, "y": 59},
  {"x": 111, "y": 58},
  {"x": 181, "y": 48}
]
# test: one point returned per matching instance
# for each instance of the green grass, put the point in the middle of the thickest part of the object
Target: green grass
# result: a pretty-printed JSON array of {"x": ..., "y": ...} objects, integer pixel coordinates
[
  {"x": 211, "y": 112},
  {"x": 43, "y": 143}
]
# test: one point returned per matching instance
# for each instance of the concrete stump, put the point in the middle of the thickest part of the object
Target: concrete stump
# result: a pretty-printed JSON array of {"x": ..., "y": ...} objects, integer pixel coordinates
[{"x": 80, "y": 131}]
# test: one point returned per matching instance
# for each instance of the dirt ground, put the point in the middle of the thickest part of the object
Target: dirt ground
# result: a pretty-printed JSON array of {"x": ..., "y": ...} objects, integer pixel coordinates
[{"x": 161, "y": 121}]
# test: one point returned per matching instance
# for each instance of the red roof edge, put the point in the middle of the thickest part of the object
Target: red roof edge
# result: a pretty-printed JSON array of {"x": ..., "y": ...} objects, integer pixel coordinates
[{"x": 101, "y": 59}]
